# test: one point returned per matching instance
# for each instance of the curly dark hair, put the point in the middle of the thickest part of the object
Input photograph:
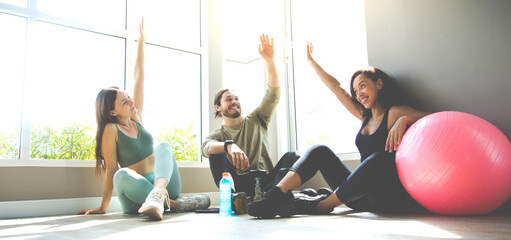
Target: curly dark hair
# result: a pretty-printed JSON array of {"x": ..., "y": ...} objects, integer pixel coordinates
[{"x": 390, "y": 95}]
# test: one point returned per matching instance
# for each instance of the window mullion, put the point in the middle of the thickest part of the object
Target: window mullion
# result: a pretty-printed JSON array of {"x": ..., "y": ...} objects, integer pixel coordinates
[
  {"x": 290, "y": 123},
  {"x": 26, "y": 126}
]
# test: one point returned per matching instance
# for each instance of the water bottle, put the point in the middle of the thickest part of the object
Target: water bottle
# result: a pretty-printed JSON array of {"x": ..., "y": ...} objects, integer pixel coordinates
[{"x": 225, "y": 195}]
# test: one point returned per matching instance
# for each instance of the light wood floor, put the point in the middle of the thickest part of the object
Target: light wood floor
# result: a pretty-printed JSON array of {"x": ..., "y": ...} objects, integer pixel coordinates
[{"x": 341, "y": 224}]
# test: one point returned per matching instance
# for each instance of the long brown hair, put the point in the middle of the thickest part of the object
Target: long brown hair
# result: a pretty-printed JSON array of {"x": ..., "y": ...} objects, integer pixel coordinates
[{"x": 105, "y": 103}]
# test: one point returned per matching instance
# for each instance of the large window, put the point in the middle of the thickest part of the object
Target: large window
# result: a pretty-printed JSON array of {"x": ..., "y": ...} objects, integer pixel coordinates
[
  {"x": 109, "y": 14},
  {"x": 308, "y": 110},
  {"x": 243, "y": 69},
  {"x": 12, "y": 49},
  {"x": 59, "y": 54},
  {"x": 337, "y": 31},
  {"x": 20, "y": 3},
  {"x": 67, "y": 69},
  {"x": 172, "y": 105}
]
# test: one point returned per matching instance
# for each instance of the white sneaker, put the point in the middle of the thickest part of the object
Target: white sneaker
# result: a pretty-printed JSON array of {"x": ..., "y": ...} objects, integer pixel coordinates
[
  {"x": 190, "y": 204},
  {"x": 153, "y": 205}
]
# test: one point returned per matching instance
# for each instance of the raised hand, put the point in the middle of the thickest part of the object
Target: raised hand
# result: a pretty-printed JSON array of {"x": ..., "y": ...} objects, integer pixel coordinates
[
  {"x": 141, "y": 35},
  {"x": 266, "y": 47},
  {"x": 310, "y": 49}
]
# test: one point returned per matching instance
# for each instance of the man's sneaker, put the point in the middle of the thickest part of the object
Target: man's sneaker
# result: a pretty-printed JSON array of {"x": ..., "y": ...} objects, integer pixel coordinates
[
  {"x": 305, "y": 204},
  {"x": 239, "y": 203},
  {"x": 153, "y": 205},
  {"x": 273, "y": 203},
  {"x": 190, "y": 204}
]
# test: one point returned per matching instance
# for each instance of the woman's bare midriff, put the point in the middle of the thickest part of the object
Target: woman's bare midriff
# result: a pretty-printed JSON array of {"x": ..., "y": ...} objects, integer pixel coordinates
[{"x": 145, "y": 166}]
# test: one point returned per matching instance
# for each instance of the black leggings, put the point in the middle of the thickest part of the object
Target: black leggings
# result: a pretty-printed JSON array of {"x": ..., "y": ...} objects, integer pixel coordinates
[
  {"x": 244, "y": 183},
  {"x": 373, "y": 186}
]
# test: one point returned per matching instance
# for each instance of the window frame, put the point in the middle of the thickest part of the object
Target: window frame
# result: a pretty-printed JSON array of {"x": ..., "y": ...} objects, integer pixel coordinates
[
  {"x": 33, "y": 15},
  {"x": 211, "y": 80},
  {"x": 287, "y": 118}
]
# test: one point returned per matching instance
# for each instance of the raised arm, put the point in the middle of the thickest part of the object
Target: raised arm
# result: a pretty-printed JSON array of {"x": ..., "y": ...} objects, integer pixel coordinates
[
  {"x": 266, "y": 52},
  {"x": 108, "y": 150},
  {"x": 138, "y": 88},
  {"x": 346, "y": 99}
]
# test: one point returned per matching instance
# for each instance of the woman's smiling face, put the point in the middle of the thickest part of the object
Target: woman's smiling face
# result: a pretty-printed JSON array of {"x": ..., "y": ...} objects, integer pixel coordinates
[{"x": 366, "y": 90}]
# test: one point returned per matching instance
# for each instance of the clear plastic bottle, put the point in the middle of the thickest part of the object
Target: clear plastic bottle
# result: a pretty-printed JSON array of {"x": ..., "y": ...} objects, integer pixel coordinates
[{"x": 225, "y": 195}]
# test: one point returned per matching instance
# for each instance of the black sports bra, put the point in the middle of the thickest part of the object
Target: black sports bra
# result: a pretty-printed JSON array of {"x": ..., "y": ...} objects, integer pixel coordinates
[{"x": 369, "y": 144}]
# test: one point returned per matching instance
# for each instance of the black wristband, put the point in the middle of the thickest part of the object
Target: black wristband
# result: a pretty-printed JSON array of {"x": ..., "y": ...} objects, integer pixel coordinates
[{"x": 227, "y": 143}]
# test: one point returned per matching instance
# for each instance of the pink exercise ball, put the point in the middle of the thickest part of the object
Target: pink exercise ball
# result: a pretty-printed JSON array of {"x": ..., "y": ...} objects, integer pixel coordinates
[{"x": 455, "y": 163}]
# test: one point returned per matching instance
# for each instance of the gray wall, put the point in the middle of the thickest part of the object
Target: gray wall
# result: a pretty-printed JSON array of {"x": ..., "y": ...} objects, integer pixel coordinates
[{"x": 447, "y": 55}]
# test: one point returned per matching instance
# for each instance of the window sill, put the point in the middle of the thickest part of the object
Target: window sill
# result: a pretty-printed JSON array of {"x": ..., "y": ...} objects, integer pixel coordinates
[
  {"x": 354, "y": 156},
  {"x": 92, "y": 163},
  {"x": 77, "y": 163}
]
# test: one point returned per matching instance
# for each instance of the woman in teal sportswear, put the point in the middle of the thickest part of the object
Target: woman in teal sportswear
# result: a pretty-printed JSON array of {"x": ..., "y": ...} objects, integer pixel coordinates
[{"x": 148, "y": 178}]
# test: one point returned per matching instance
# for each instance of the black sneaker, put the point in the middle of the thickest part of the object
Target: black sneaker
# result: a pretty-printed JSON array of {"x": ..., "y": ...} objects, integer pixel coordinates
[
  {"x": 305, "y": 204},
  {"x": 324, "y": 190},
  {"x": 309, "y": 192},
  {"x": 273, "y": 203}
]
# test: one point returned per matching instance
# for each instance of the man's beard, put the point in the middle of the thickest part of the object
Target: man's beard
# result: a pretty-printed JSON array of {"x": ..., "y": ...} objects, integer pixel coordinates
[{"x": 233, "y": 115}]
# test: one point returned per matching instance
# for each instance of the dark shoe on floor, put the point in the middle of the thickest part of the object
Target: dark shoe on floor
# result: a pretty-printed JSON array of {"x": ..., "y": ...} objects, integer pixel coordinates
[
  {"x": 239, "y": 203},
  {"x": 273, "y": 203},
  {"x": 305, "y": 204},
  {"x": 309, "y": 192}
]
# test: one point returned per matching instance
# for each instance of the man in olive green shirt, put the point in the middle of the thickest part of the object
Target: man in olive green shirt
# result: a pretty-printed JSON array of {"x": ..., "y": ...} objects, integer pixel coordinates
[{"x": 241, "y": 143}]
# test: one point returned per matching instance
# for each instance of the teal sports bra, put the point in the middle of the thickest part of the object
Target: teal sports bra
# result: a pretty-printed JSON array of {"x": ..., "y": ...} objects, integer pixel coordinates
[{"x": 133, "y": 150}]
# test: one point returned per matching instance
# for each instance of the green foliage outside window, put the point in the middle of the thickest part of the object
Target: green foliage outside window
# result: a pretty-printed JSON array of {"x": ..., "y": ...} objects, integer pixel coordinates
[
  {"x": 319, "y": 139},
  {"x": 73, "y": 141},
  {"x": 183, "y": 143},
  {"x": 8, "y": 146},
  {"x": 76, "y": 141}
]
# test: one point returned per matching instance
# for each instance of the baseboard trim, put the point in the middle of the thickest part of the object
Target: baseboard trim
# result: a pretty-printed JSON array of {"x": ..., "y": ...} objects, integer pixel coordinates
[{"x": 67, "y": 206}]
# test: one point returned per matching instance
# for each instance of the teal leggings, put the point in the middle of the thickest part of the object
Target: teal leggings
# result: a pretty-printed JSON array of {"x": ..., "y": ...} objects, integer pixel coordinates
[{"x": 133, "y": 188}]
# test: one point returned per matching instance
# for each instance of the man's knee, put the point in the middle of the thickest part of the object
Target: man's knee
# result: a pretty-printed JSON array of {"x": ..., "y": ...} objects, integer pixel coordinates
[
  {"x": 217, "y": 157},
  {"x": 217, "y": 165}
]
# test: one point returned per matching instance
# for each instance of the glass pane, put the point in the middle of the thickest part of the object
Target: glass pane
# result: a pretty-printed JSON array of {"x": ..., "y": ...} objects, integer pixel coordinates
[
  {"x": 248, "y": 82},
  {"x": 243, "y": 69},
  {"x": 243, "y": 23},
  {"x": 172, "y": 100},
  {"x": 21, "y": 3},
  {"x": 68, "y": 70},
  {"x": 111, "y": 13},
  {"x": 173, "y": 23},
  {"x": 337, "y": 31},
  {"x": 12, "y": 57}
]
